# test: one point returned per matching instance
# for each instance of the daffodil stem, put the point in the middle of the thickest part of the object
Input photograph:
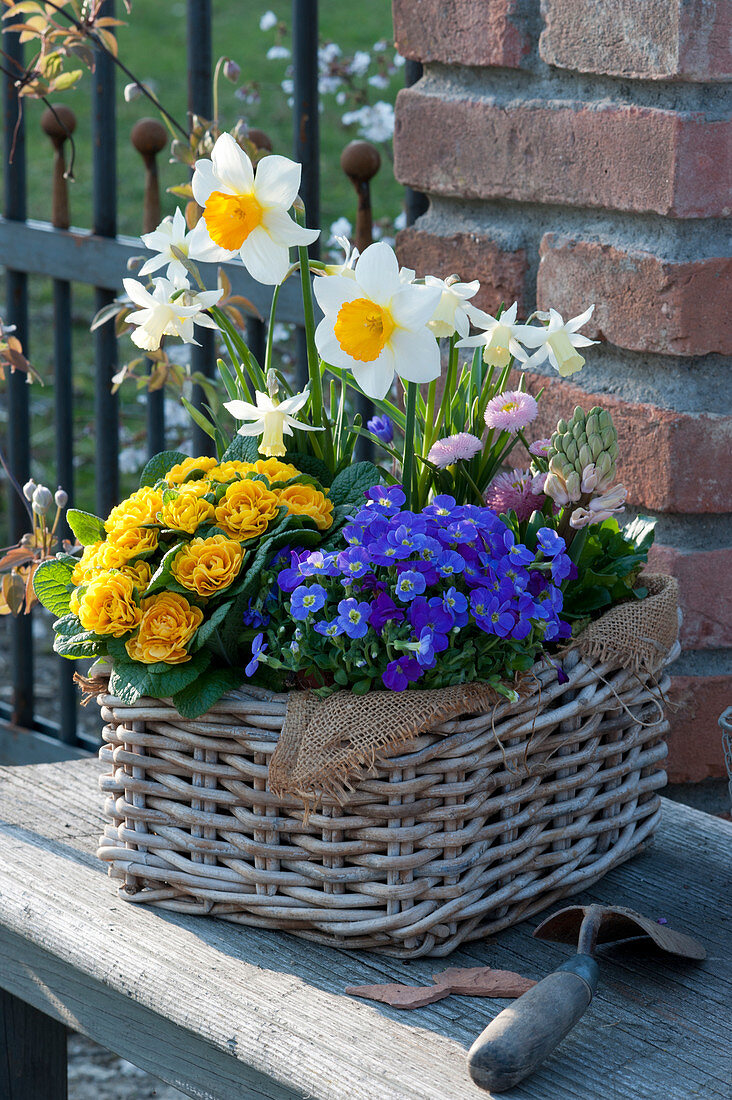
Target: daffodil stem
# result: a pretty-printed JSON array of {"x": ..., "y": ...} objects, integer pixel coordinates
[
  {"x": 408, "y": 461},
  {"x": 270, "y": 330},
  {"x": 316, "y": 381}
]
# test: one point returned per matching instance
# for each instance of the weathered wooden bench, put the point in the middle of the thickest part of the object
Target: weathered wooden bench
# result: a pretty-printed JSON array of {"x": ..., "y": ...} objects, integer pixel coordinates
[{"x": 224, "y": 1012}]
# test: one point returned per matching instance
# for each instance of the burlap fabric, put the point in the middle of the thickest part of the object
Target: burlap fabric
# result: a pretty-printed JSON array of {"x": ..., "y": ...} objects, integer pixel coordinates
[{"x": 327, "y": 745}]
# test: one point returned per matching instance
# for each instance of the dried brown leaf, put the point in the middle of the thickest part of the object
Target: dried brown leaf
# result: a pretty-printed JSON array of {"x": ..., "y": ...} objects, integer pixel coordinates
[
  {"x": 482, "y": 981},
  {"x": 400, "y": 996}
]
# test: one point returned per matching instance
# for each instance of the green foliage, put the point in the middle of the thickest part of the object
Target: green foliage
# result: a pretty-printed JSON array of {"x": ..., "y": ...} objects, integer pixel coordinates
[
  {"x": 52, "y": 584},
  {"x": 608, "y": 567},
  {"x": 87, "y": 527},
  {"x": 200, "y": 696},
  {"x": 130, "y": 680},
  {"x": 244, "y": 448},
  {"x": 159, "y": 465},
  {"x": 350, "y": 485}
]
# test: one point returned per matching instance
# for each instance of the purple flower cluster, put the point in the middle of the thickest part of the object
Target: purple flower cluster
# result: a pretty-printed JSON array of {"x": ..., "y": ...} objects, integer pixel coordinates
[{"x": 391, "y": 604}]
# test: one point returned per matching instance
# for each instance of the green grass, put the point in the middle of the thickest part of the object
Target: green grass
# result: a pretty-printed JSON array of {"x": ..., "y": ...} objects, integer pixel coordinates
[{"x": 153, "y": 46}]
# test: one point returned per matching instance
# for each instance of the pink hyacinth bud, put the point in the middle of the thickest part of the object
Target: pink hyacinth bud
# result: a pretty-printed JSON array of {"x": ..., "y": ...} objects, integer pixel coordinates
[
  {"x": 590, "y": 478},
  {"x": 580, "y": 518},
  {"x": 231, "y": 70}
]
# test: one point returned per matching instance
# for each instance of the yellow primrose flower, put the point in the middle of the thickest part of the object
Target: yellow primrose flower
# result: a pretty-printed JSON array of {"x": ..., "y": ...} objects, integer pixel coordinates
[
  {"x": 132, "y": 542},
  {"x": 274, "y": 470},
  {"x": 207, "y": 566},
  {"x": 168, "y": 622},
  {"x": 108, "y": 605},
  {"x": 248, "y": 213},
  {"x": 186, "y": 513},
  {"x": 306, "y": 500},
  {"x": 247, "y": 509},
  {"x": 227, "y": 471},
  {"x": 141, "y": 507},
  {"x": 139, "y": 572},
  {"x": 177, "y": 474},
  {"x": 376, "y": 325}
]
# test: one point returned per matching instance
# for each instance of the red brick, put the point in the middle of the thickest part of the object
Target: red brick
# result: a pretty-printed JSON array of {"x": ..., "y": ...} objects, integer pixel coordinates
[
  {"x": 461, "y": 32},
  {"x": 620, "y": 157},
  {"x": 706, "y": 595},
  {"x": 648, "y": 39},
  {"x": 471, "y": 256},
  {"x": 642, "y": 302},
  {"x": 669, "y": 461},
  {"x": 695, "y": 739}
]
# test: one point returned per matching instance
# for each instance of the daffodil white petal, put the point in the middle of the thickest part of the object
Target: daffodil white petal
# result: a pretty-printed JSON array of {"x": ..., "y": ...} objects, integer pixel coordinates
[
  {"x": 284, "y": 230},
  {"x": 266, "y": 261},
  {"x": 536, "y": 359},
  {"x": 531, "y": 336},
  {"x": 333, "y": 290},
  {"x": 277, "y": 180},
  {"x": 328, "y": 347},
  {"x": 138, "y": 293},
  {"x": 293, "y": 404},
  {"x": 414, "y": 305},
  {"x": 241, "y": 410},
  {"x": 146, "y": 339},
  {"x": 377, "y": 272},
  {"x": 375, "y": 379},
  {"x": 204, "y": 181},
  {"x": 203, "y": 249},
  {"x": 232, "y": 166},
  {"x": 153, "y": 264},
  {"x": 416, "y": 354},
  {"x": 578, "y": 341},
  {"x": 517, "y": 351},
  {"x": 580, "y": 320}
]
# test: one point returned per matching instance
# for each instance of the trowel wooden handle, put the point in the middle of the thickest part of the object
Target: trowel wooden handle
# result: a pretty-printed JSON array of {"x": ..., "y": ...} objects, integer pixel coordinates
[{"x": 522, "y": 1036}]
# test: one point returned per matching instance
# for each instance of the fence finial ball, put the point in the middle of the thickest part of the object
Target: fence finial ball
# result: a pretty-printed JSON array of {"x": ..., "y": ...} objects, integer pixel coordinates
[
  {"x": 149, "y": 136},
  {"x": 58, "y": 122},
  {"x": 260, "y": 139},
  {"x": 360, "y": 160}
]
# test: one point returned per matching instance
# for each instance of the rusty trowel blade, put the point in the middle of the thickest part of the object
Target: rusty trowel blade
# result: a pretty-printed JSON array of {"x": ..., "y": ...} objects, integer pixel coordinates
[{"x": 616, "y": 924}]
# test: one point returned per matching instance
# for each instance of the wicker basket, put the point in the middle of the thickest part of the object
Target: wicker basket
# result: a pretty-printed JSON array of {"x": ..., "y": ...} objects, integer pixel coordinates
[{"x": 457, "y": 834}]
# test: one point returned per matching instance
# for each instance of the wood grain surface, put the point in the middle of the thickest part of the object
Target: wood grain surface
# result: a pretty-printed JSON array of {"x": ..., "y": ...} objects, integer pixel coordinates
[{"x": 223, "y": 1012}]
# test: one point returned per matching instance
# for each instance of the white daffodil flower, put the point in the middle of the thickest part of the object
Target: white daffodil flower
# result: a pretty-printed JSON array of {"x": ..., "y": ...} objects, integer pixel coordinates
[
  {"x": 351, "y": 254},
  {"x": 248, "y": 213},
  {"x": 376, "y": 326},
  {"x": 451, "y": 315},
  {"x": 173, "y": 233},
  {"x": 271, "y": 420},
  {"x": 499, "y": 338},
  {"x": 557, "y": 342},
  {"x": 158, "y": 316}
]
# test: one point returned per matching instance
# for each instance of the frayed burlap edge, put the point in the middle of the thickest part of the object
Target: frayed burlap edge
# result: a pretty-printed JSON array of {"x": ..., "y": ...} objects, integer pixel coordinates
[
  {"x": 326, "y": 745},
  {"x": 637, "y": 634}
]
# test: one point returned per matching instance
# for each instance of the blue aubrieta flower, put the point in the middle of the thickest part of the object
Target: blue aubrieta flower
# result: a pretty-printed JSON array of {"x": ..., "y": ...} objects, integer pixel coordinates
[
  {"x": 319, "y": 564},
  {"x": 330, "y": 629},
  {"x": 549, "y": 542},
  {"x": 410, "y": 584},
  {"x": 258, "y": 647},
  {"x": 307, "y": 599},
  {"x": 389, "y": 497},
  {"x": 353, "y": 563},
  {"x": 401, "y": 673},
  {"x": 354, "y": 617},
  {"x": 381, "y": 427}
]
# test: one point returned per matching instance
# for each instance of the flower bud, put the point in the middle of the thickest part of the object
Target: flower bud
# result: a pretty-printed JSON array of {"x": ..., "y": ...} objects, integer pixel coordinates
[
  {"x": 596, "y": 446},
  {"x": 231, "y": 70},
  {"x": 132, "y": 92},
  {"x": 555, "y": 488},
  {"x": 42, "y": 500},
  {"x": 574, "y": 488},
  {"x": 28, "y": 489},
  {"x": 590, "y": 478},
  {"x": 580, "y": 518},
  {"x": 586, "y": 456},
  {"x": 571, "y": 451},
  {"x": 61, "y": 497}
]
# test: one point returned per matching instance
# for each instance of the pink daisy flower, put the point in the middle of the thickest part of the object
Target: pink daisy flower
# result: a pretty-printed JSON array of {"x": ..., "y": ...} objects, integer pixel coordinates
[
  {"x": 456, "y": 448},
  {"x": 519, "y": 491},
  {"x": 540, "y": 448},
  {"x": 511, "y": 411}
]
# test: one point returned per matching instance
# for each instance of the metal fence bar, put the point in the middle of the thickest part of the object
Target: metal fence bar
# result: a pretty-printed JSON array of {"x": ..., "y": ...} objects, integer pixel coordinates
[
  {"x": 306, "y": 133},
  {"x": 17, "y": 390},
  {"x": 106, "y": 405},
  {"x": 59, "y": 123},
  {"x": 200, "y": 102}
]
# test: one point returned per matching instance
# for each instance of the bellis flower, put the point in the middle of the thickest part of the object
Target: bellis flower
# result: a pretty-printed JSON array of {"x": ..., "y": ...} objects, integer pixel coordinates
[
  {"x": 557, "y": 342},
  {"x": 519, "y": 491},
  {"x": 511, "y": 411},
  {"x": 247, "y": 213},
  {"x": 455, "y": 448},
  {"x": 272, "y": 420},
  {"x": 375, "y": 325}
]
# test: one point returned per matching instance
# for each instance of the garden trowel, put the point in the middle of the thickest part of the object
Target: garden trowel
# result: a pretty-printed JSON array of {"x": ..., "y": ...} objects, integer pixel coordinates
[{"x": 522, "y": 1035}]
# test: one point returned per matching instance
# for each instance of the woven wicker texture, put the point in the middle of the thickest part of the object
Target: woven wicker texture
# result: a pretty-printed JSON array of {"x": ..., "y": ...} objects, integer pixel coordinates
[{"x": 460, "y": 832}]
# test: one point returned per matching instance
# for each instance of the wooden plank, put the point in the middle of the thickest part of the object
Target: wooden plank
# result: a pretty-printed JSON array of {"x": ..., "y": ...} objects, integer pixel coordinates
[
  {"x": 22, "y": 746},
  {"x": 270, "y": 1007},
  {"x": 32, "y": 1052},
  {"x": 80, "y": 256}
]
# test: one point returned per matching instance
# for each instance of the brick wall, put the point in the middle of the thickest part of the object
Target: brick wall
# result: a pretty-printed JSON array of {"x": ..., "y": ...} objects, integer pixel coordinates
[{"x": 576, "y": 152}]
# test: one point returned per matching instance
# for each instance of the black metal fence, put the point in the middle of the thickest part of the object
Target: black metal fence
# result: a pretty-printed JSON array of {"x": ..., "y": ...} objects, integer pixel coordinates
[{"x": 98, "y": 258}]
